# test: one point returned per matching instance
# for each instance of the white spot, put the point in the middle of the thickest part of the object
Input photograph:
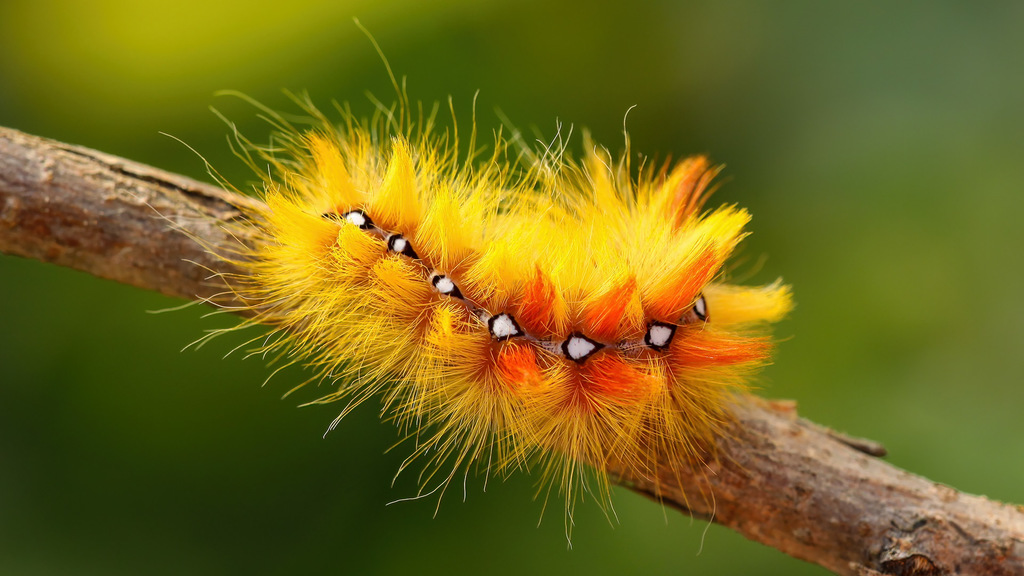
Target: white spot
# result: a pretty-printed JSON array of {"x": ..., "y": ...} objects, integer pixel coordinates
[
  {"x": 357, "y": 218},
  {"x": 659, "y": 335},
  {"x": 701, "y": 308},
  {"x": 399, "y": 244},
  {"x": 502, "y": 326},
  {"x": 578, "y": 348},
  {"x": 444, "y": 284}
]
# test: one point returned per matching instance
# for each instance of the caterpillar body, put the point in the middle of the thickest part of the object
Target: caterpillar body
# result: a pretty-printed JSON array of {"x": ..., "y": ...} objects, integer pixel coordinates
[{"x": 544, "y": 311}]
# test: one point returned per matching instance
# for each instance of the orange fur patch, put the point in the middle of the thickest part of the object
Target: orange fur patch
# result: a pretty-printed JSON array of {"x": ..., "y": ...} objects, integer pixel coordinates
[
  {"x": 538, "y": 311},
  {"x": 701, "y": 348},
  {"x": 604, "y": 316}
]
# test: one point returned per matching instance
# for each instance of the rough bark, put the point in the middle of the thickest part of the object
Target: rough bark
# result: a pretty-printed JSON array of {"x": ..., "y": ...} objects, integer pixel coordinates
[
  {"x": 112, "y": 217},
  {"x": 777, "y": 479}
]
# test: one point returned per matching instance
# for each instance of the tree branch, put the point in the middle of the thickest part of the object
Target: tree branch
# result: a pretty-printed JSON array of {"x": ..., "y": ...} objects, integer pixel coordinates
[
  {"x": 777, "y": 479},
  {"x": 112, "y": 217}
]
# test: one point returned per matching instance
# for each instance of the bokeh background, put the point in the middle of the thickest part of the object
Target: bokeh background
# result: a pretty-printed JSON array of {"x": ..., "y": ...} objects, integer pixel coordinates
[{"x": 879, "y": 147}]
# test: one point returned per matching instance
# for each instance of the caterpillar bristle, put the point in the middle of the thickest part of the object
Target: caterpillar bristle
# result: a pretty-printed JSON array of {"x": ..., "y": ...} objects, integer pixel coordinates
[{"x": 559, "y": 314}]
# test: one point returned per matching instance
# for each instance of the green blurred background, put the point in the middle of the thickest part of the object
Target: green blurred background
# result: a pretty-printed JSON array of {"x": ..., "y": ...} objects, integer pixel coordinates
[{"x": 879, "y": 147}]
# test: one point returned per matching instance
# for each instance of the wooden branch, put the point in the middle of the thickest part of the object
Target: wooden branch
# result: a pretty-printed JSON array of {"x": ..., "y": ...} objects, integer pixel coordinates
[
  {"x": 112, "y": 217},
  {"x": 778, "y": 479}
]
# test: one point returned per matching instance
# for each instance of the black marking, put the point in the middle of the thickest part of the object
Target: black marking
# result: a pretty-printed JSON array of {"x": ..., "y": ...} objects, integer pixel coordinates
[
  {"x": 446, "y": 286},
  {"x": 513, "y": 330},
  {"x": 359, "y": 218},
  {"x": 654, "y": 330},
  {"x": 401, "y": 245},
  {"x": 575, "y": 341}
]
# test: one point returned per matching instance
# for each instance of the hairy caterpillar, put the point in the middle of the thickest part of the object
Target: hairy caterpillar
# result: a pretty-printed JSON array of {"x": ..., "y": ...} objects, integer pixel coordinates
[{"x": 514, "y": 312}]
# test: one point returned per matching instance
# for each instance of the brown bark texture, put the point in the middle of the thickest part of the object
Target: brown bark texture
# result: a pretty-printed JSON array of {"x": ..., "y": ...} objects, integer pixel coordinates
[{"x": 776, "y": 478}]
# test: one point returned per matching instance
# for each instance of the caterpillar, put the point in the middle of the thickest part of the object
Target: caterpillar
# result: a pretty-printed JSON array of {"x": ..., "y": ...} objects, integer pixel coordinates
[{"x": 527, "y": 310}]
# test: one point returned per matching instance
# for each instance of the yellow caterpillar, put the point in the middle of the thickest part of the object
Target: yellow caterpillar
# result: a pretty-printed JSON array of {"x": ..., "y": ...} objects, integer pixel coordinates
[{"x": 543, "y": 310}]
